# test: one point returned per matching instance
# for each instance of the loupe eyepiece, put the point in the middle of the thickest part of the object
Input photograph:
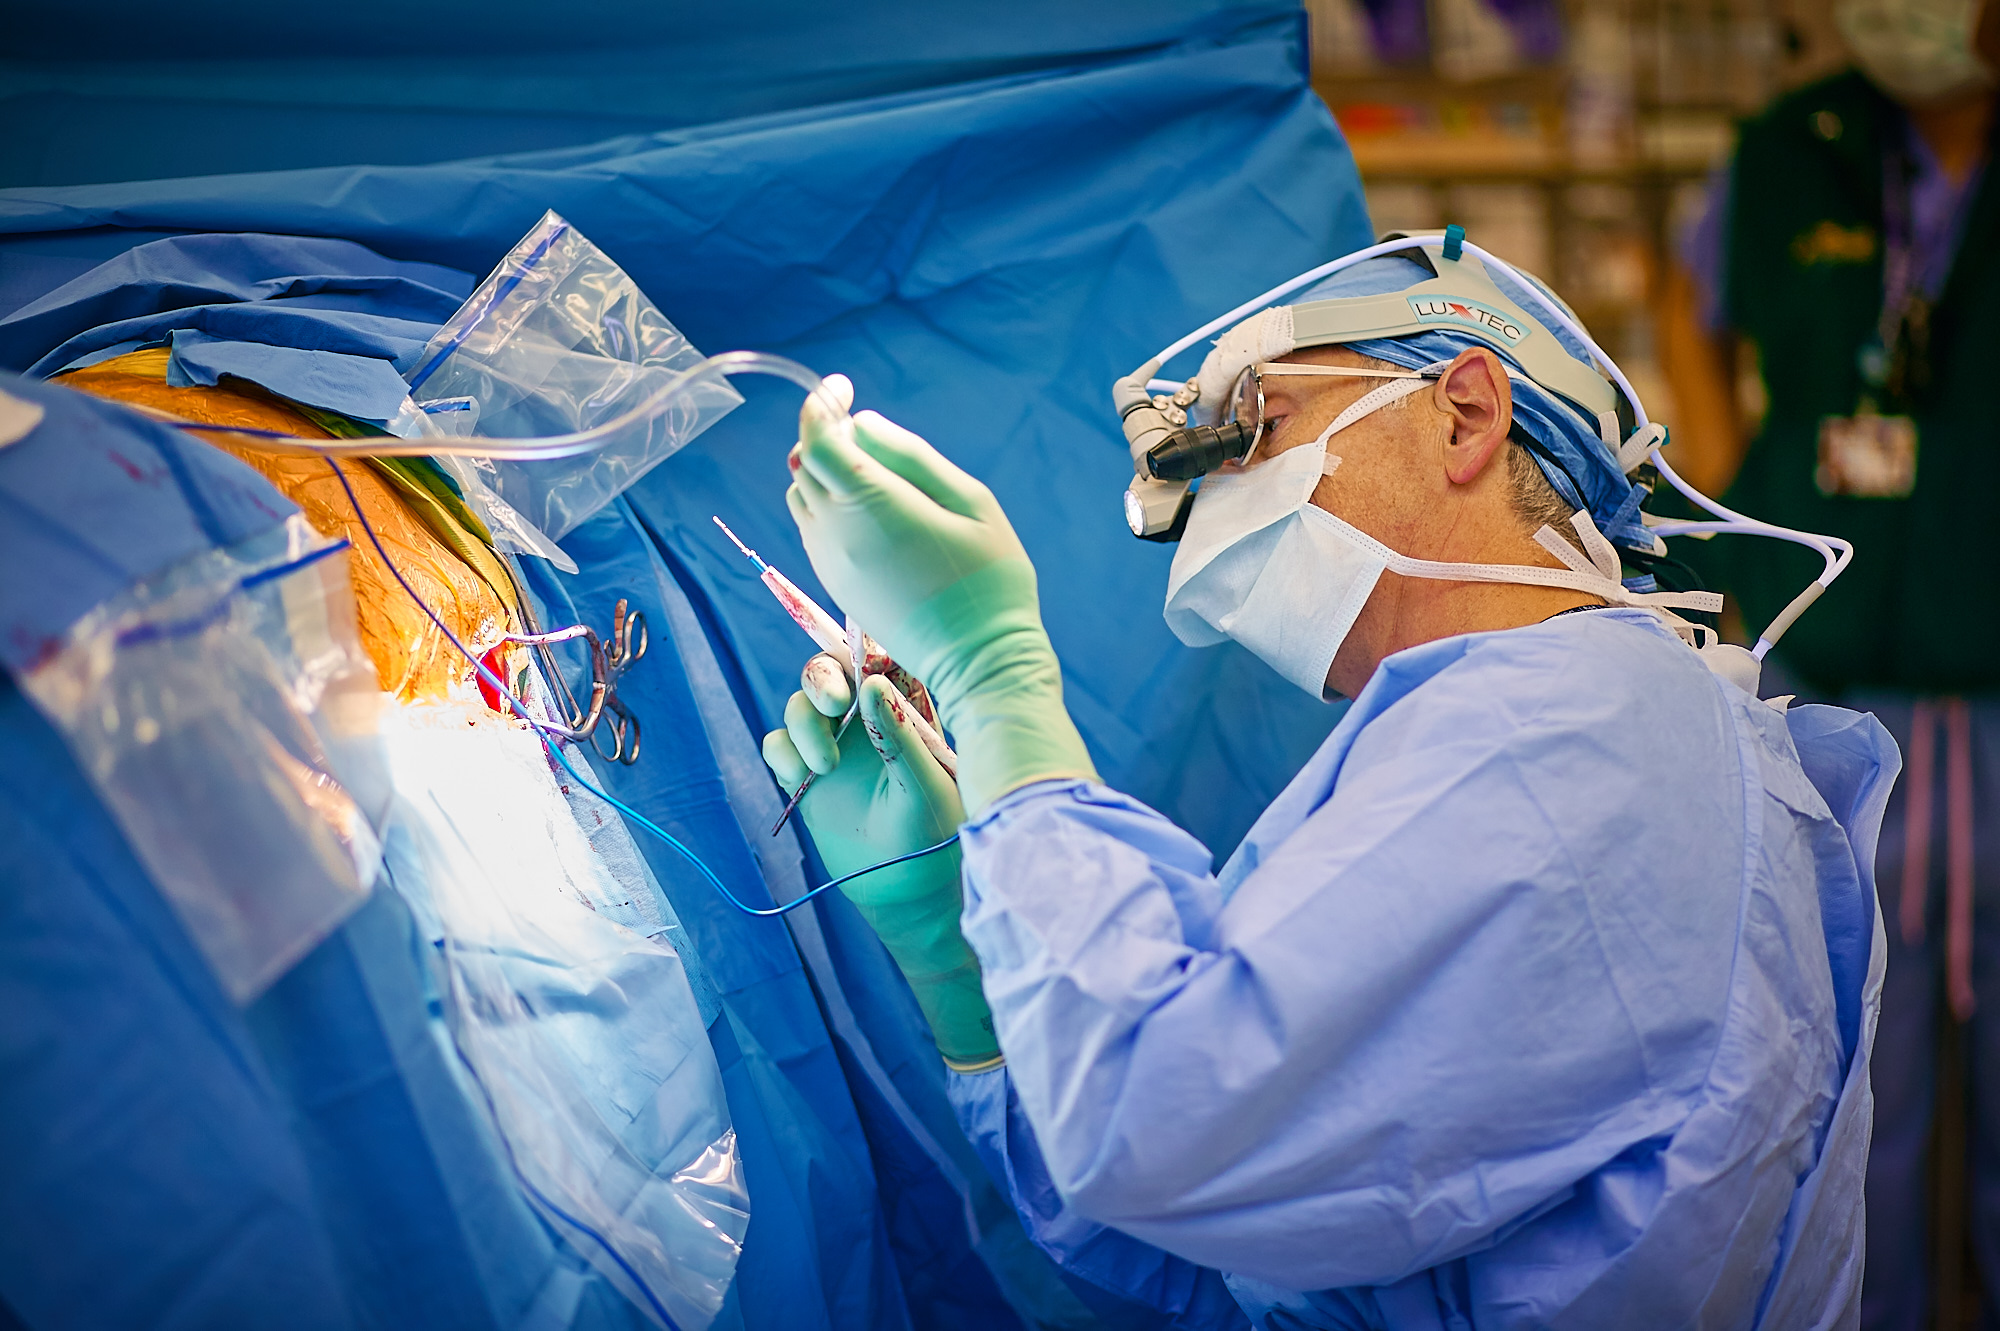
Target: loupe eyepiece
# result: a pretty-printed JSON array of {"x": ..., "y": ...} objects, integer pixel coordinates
[{"x": 1196, "y": 450}]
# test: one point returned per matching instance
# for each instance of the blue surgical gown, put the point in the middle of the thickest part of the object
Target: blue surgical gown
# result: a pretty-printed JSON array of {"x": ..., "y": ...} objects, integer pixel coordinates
[{"x": 1541, "y": 997}]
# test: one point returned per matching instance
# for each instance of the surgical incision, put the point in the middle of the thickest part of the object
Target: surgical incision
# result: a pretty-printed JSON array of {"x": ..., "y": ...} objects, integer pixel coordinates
[{"x": 438, "y": 544}]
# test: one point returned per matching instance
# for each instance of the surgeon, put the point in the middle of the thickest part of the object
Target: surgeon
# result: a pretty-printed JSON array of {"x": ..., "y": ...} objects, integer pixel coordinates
[{"x": 1541, "y": 997}]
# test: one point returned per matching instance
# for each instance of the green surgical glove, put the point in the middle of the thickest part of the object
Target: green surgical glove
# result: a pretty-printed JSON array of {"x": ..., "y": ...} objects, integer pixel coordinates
[
  {"x": 919, "y": 553},
  {"x": 880, "y": 794}
]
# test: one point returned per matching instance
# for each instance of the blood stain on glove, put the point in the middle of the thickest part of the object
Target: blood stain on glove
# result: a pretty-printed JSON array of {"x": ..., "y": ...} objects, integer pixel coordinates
[{"x": 875, "y": 661}]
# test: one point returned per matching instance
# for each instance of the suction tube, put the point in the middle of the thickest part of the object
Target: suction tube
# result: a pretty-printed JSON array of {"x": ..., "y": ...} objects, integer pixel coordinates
[
  {"x": 729, "y": 362},
  {"x": 1837, "y": 552},
  {"x": 528, "y": 449}
]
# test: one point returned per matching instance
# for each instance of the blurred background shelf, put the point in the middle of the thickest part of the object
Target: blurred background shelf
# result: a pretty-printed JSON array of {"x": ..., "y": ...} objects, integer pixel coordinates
[{"x": 1578, "y": 138}]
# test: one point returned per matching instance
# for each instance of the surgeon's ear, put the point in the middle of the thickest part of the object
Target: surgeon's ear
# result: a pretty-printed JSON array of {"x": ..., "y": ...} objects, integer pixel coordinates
[{"x": 1473, "y": 391}]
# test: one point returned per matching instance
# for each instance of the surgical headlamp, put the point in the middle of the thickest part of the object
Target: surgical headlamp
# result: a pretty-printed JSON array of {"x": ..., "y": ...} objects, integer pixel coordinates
[{"x": 1170, "y": 452}]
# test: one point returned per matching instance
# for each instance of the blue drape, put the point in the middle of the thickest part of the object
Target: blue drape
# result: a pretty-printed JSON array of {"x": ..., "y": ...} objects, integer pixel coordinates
[
  {"x": 982, "y": 261},
  {"x": 245, "y": 85},
  {"x": 983, "y": 258}
]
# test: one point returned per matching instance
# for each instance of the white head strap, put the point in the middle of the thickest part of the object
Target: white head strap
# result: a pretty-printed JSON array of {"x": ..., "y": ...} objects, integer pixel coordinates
[{"x": 1373, "y": 400}]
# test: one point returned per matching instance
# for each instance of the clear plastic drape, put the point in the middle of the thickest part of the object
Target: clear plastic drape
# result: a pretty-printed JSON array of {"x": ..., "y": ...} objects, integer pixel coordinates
[
  {"x": 223, "y": 710},
  {"x": 558, "y": 339},
  {"x": 582, "y": 1036}
]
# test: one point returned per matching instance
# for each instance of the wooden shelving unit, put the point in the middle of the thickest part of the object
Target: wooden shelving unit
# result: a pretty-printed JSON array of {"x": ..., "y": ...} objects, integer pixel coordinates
[{"x": 1584, "y": 167}]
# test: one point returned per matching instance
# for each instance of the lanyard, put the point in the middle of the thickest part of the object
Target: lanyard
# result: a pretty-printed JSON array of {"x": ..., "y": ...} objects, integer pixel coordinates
[
  {"x": 1914, "y": 269},
  {"x": 1896, "y": 247}
]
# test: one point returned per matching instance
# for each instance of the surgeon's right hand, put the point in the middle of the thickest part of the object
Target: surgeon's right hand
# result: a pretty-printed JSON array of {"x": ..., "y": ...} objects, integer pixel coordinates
[
  {"x": 921, "y": 554},
  {"x": 879, "y": 793}
]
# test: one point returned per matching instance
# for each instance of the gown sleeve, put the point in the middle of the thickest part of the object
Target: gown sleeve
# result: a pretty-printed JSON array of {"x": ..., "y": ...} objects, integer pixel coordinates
[
  {"x": 1481, "y": 967},
  {"x": 1194, "y": 1297}
]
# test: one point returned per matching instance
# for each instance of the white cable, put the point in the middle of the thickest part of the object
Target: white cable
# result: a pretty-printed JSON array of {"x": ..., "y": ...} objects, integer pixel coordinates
[
  {"x": 1250, "y": 307},
  {"x": 1691, "y": 528},
  {"x": 1836, "y": 563}
]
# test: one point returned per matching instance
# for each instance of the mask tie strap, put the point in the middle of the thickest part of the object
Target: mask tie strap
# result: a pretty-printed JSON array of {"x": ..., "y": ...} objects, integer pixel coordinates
[
  {"x": 1372, "y": 401},
  {"x": 1584, "y": 579},
  {"x": 1545, "y": 536},
  {"x": 1599, "y": 549},
  {"x": 1602, "y": 561},
  {"x": 1368, "y": 403}
]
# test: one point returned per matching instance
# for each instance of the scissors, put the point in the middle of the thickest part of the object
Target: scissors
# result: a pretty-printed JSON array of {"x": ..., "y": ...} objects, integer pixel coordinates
[{"x": 622, "y": 651}]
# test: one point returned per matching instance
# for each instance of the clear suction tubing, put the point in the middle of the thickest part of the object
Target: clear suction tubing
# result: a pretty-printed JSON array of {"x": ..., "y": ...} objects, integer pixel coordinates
[{"x": 542, "y": 447}]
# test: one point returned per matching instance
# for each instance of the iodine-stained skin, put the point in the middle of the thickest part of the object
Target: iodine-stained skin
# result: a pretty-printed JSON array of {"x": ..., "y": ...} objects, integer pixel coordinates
[{"x": 411, "y": 658}]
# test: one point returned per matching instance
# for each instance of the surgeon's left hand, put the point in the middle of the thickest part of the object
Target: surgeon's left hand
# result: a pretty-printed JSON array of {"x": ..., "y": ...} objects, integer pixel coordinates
[
  {"x": 919, "y": 553},
  {"x": 876, "y": 798}
]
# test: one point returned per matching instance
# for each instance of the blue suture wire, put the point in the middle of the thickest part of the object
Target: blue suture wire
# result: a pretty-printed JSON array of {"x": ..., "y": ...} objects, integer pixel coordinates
[
  {"x": 696, "y": 861},
  {"x": 515, "y": 1165},
  {"x": 552, "y": 743}
]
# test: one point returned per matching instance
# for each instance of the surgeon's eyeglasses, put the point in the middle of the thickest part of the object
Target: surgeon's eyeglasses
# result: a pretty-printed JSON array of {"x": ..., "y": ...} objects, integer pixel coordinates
[
  {"x": 1246, "y": 399},
  {"x": 1196, "y": 450}
]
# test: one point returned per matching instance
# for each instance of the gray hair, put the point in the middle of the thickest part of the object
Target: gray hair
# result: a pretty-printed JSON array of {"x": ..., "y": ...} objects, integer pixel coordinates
[{"x": 1535, "y": 501}]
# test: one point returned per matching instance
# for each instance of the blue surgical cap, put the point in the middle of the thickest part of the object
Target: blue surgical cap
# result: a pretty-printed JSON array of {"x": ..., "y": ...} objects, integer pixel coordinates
[{"x": 1571, "y": 454}]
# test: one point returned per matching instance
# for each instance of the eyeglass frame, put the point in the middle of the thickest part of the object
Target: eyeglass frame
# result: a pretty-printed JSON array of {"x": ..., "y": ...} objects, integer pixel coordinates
[{"x": 1256, "y": 370}]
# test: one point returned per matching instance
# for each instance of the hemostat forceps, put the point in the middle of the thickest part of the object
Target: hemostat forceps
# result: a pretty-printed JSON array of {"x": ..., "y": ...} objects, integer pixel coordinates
[
  {"x": 580, "y": 722},
  {"x": 628, "y": 644},
  {"x": 608, "y": 662}
]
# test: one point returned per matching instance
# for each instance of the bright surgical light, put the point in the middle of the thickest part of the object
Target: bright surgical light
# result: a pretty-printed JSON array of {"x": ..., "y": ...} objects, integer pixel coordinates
[{"x": 1135, "y": 514}]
